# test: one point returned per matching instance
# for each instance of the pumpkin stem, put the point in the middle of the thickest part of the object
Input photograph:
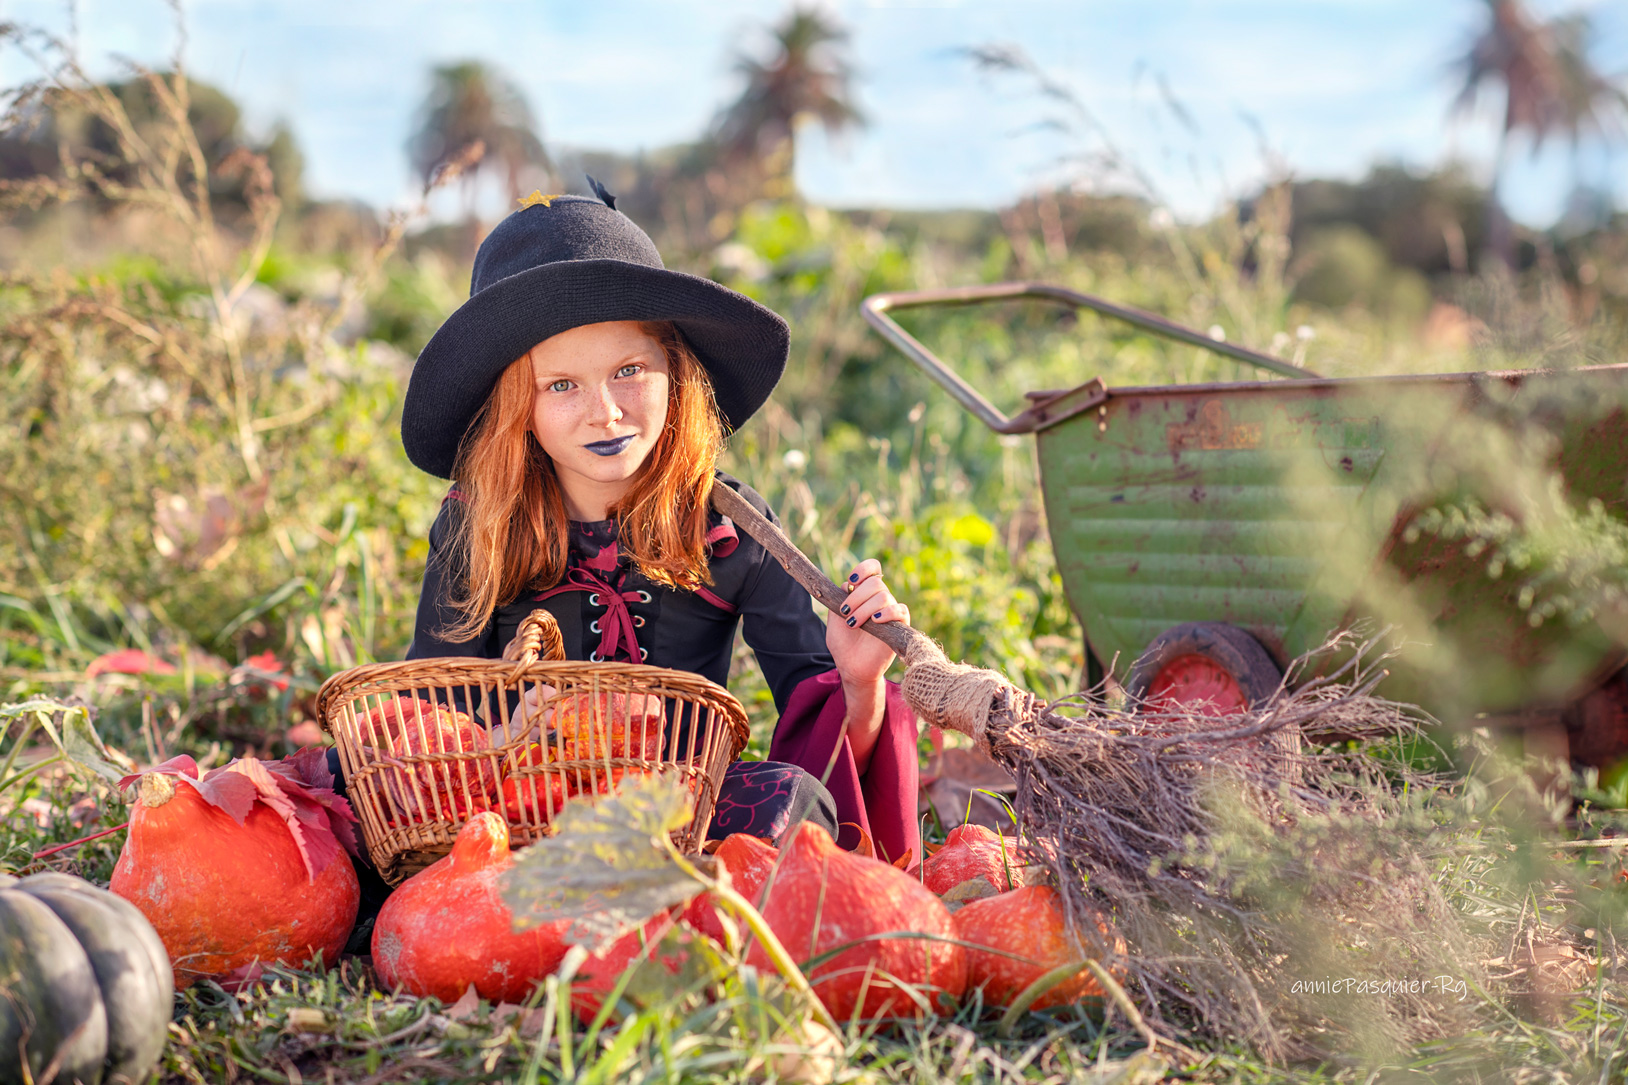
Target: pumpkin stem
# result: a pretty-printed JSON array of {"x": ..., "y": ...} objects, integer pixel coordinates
[
  {"x": 482, "y": 842},
  {"x": 157, "y": 788}
]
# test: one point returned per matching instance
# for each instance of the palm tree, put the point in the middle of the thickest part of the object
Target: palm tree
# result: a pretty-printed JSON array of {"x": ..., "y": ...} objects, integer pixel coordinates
[
  {"x": 807, "y": 77},
  {"x": 469, "y": 104},
  {"x": 1550, "y": 85}
]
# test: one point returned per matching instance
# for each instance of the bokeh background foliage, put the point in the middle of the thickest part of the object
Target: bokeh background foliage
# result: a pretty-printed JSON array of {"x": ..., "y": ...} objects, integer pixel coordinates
[{"x": 204, "y": 367}]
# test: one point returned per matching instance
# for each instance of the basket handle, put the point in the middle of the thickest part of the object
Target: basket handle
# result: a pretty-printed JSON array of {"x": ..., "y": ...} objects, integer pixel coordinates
[{"x": 538, "y": 637}]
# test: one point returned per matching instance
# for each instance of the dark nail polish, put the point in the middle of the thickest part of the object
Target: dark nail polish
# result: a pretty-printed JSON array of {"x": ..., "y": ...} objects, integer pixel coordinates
[
  {"x": 845, "y": 608},
  {"x": 853, "y": 578},
  {"x": 852, "y": 620},
  {"x": 878, "y": 614}
]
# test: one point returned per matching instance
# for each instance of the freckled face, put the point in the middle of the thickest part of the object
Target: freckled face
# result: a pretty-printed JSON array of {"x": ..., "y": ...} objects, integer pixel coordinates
[{"x": 601, "y": 404}]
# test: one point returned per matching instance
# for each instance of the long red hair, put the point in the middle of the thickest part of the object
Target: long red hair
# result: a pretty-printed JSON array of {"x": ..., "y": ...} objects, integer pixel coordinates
[{"x": 513, "y": 534}]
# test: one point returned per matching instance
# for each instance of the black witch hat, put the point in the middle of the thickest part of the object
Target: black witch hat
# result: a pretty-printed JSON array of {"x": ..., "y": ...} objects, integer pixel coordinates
[{"x": 561, "y": 262}]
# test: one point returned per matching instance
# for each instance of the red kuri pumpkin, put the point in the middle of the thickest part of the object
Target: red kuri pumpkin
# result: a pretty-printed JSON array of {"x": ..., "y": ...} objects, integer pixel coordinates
[
  {"x": 970, "y": 851},
  {"x": 749, "y": 861},
  {"x": 824, "y": 898},
  {"x": 243, "y": 866},
  {"x": 1029, "y": 921},
  {"x": 608, "y": 725},
  {"x": 534, "y": 798},
  {"x": 447, "y": 927},
  {"x": 429, "y": 789},
  {"x": 603, "y": 969}
]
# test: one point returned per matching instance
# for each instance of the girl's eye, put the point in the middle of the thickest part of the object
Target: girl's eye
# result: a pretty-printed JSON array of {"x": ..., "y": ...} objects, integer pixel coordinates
[
  {"x": 560, "y": 386},
  {"x": 627, "y": 371}
]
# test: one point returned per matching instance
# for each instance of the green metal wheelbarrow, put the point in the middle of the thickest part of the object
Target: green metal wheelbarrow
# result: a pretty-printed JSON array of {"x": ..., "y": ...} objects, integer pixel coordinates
[{"x": 1208, "y": 534}]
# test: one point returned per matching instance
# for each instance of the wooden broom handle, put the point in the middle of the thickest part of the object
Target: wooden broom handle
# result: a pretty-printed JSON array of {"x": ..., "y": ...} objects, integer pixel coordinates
[{"x": 902, "y": 638}]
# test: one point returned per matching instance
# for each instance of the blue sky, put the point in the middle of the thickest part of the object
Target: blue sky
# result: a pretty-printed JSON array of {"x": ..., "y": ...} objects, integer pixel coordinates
[{"x": 1330, "y": 85}]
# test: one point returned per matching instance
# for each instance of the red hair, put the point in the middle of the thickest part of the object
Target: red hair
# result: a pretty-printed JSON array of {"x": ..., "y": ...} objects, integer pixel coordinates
[{"x": 513, "y": 535}]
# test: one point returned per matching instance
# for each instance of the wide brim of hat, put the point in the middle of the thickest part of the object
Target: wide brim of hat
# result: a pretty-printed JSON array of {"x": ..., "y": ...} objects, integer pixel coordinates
[{"x": 742, "y": 344}]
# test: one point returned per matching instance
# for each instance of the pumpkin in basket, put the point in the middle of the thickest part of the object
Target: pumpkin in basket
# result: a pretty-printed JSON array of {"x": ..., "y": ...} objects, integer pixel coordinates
[
  {"x": 406, "y": 728},
  {"x": 534, "y": 798},
  {"x": 602, "y": 782},
  {"x": 608, "y": 724}
]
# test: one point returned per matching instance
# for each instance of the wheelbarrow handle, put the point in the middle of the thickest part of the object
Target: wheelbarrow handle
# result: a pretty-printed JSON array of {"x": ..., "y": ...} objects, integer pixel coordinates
[{"x": 876, "y": 308}]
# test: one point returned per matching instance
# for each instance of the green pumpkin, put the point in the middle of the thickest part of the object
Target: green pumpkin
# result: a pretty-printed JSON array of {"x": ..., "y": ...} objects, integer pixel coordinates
[{"x": 84, "y": 976}]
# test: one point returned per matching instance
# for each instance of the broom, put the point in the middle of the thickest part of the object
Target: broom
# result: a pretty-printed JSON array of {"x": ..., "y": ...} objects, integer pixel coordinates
[{"x": 1125, "y": 806}]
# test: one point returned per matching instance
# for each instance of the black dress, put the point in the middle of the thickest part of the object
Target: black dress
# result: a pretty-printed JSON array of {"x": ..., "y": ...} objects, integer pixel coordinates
[{"x": 607, "y": 610}]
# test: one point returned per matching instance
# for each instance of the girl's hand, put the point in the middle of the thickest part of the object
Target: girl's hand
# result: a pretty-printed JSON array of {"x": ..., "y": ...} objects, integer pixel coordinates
[
  {"x": 861, "y": 659},
  {"x": 528, "y": 717}
]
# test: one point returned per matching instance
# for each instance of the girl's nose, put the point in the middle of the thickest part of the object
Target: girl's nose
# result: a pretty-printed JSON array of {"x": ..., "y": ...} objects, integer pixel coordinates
[{"x": 605, "y": 408}]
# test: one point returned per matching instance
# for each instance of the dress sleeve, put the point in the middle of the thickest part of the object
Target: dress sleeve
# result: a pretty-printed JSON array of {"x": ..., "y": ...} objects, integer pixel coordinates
[
  {"x": 435, "y": 611},
  {"x": 882, "y": 802}
]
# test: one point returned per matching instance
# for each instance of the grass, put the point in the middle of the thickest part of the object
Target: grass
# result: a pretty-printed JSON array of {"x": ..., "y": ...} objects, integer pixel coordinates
[{"x": 725, "y": 1023}]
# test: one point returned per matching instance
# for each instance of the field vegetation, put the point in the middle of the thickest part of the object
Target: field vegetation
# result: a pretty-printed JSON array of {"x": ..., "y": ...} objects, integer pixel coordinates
[{"x": 205, "y": 511}]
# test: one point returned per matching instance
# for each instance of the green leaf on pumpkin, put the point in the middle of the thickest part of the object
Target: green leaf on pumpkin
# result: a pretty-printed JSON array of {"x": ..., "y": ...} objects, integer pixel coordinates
[{"x": 610, "y": 866}]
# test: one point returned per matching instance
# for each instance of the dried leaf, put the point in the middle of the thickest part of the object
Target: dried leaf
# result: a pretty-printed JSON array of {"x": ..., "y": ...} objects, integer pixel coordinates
[
  {"x": 866, "y": 846},
  {"x": 905, "y": 861},
  {"x": 70, "y": 731},
  {"x": 610, "y": 867},
  {"x": 308, "y": 765},
  {"x": 307, "y": 1019},
  {"x": 228, "y": 791},
  {"x": 465, "y": 1007},
  {"x": 979, "y": 888}
]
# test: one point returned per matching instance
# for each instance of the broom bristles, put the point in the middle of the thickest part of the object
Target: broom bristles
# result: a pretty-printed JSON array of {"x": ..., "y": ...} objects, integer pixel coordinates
[{"x": 1152, "y": 814}]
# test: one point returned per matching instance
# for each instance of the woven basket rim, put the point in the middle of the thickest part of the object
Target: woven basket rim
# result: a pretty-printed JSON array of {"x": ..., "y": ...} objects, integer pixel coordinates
[{"x": 460, "y": 670}]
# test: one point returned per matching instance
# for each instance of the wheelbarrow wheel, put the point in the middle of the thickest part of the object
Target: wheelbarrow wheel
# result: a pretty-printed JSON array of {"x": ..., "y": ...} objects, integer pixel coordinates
[{"x": 1215, "y": 667}]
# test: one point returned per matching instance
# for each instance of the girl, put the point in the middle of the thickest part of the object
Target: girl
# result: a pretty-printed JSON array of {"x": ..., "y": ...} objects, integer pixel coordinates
[{"x": 580, "y": 399}]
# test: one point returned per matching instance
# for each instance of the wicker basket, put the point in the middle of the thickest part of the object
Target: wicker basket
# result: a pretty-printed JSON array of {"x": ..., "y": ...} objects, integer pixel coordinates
[{"x": 427, "y": 744}]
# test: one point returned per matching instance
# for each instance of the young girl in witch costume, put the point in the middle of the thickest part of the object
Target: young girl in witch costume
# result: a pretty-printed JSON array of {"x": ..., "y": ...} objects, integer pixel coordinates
[{"x": 579, "y": 400}]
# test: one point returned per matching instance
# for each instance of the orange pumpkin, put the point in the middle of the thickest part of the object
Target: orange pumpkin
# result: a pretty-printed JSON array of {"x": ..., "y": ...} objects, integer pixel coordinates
[
  {"x": 243, "y": 867},
  {"x": 970, "y": 851},
  {"x": 534, "y": 798},
  {"x": 1029, "y": 921},
  {"x": 824, "y": 898},
  {"x": 749, "y": 861},
  {"x": 599, "y": 974},
  {"x": 600, "y": 782},
  {"x": 608, "y": 725},
  {"x": 426, "y": 790},
  {"x": 447, "y": 927}
]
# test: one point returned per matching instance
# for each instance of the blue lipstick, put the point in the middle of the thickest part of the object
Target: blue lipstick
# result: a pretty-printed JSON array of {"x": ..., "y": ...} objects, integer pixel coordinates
[{"x": 613, "y": 447}]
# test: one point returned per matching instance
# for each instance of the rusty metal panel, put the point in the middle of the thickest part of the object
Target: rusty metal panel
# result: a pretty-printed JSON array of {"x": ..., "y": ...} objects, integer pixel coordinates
[
  {"x": 1197, "y": 508},
  {"x": 1279, "y": 507}
]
